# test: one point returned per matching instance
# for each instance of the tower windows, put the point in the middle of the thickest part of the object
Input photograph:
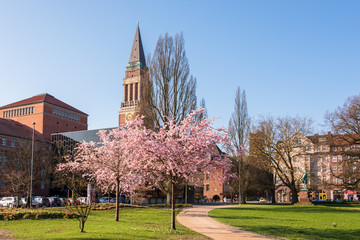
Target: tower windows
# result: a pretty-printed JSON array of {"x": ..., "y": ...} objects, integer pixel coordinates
[
  {"x": 136, "y": 91},
  {"x": 126, "y": 92},
  {"x": 131, "y": 92}
]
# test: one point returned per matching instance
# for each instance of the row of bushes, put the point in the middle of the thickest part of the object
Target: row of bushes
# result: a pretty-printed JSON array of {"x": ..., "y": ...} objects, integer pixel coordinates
[{"x": 35, "y": 215}]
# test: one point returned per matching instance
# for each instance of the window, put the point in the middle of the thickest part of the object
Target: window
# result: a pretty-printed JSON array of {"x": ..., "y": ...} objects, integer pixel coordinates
[
  {"x": 339, "y": 158},
  {"x": 207, "y": 176},
  {"x": 334, "y": 159},
  {"x": 324, "y": 179},
  {"x": 2, "y": 184},
  {"x": 17, "y": 161},
  {"x": 4, "y": 141},
  {"x": 322, "y": 139},
  {"x": 3, "y": 158},
  {"x": 42, "y": 173},
  {"x": 12, "y": 143},
  {"x": 334, "y": 169},
  {"x": 42, "y": 185},
  {"x": 207, "y": 187},
  {"x": 339, "y": 169}
]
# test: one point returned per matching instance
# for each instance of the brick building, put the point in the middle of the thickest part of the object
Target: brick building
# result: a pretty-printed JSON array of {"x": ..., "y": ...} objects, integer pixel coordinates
[
  {"x": 135, "y": 76},
  {"x": 49, "y": 115},
  {"x": 323, "y": 158}
]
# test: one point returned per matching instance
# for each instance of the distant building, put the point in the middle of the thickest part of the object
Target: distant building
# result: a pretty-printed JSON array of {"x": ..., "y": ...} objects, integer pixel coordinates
[{"x": 323, "y": 159}]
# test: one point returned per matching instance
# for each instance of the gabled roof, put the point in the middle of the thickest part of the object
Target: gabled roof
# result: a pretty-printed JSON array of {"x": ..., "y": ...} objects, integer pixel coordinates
[
  {"x": 45, "y": 97},
  {"x": 137, "y": 51},
  {"x": 13, "y": 128}
]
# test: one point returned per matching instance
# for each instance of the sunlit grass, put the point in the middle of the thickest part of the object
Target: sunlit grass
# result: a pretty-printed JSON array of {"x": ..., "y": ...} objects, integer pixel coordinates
[
  {"x": 137, "y": 223},
  {"x": 293, "y": 222}
]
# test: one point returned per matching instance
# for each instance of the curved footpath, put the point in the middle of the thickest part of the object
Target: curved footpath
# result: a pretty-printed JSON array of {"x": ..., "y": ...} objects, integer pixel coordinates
[{"x": 197, "y": 219}]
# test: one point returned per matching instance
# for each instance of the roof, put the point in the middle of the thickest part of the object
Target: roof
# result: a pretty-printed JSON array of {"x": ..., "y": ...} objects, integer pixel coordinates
[
  {"x": 86, "y": 135},
  {"x": 13, "y": 128},
  {"x": 137, "y": 51},
  {"x": 45, "y": 97},
  {"x": 335, "y": 140}
]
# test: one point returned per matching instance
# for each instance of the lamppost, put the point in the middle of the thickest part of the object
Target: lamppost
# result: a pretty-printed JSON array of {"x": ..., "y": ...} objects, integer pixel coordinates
[{"x": 32, "y": 163}]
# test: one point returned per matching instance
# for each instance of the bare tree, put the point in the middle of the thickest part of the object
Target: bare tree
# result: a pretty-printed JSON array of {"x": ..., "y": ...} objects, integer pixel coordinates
[
  {"x": 204, "y": 113},
  {"x": 173, "y": 89},
  {"x": 278, "y": 143},
  {"x": 239, "y": 126},
  {"x": 345, "y": 124}
]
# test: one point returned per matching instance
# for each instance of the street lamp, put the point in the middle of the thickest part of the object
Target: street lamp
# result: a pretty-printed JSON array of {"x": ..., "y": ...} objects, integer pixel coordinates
[{"x": 32, "y": 163}]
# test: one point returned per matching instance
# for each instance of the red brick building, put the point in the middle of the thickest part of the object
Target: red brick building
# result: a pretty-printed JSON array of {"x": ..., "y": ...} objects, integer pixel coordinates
[{"x": 50, "y": 115}]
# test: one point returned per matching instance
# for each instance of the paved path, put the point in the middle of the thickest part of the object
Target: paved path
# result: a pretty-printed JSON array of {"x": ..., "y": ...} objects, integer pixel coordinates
[{"x": 197, "y": 219}]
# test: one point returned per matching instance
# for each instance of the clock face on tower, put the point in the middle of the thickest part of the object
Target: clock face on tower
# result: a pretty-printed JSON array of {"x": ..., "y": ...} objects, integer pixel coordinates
[{"x": 129, "y": 116}]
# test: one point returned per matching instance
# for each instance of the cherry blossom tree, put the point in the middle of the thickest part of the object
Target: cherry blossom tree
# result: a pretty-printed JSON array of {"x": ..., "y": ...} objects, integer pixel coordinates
[
  {"x": 176, "y": 153},
  {"x": 111, "y": 162}
]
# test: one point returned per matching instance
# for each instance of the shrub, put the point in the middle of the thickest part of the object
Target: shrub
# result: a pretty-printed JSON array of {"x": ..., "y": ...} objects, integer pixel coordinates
[{"x": 35, "y": 215}]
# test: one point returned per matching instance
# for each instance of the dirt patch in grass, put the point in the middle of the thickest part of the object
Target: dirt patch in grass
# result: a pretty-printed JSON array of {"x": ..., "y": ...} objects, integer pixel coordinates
[{"x": 5, "y": 235}]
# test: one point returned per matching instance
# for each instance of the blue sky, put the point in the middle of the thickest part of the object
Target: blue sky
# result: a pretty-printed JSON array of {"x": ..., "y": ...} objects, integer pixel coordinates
[{"x": 291, "y": 57}]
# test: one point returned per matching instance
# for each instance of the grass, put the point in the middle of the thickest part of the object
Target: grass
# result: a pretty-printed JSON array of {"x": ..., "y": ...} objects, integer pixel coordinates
[
  {"x": 294, "y": 222},
  {"x": 135, "y": 223}
]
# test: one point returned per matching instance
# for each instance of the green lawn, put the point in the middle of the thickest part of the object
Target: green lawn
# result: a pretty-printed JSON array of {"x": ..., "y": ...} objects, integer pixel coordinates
[
  {"x": 135, "y": 223},
  {"x": 294, "y": 222}
]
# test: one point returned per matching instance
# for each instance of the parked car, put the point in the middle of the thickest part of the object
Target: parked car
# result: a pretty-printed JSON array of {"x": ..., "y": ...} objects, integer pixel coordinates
[
  {"x": 262, "y": 200},
  {"x": 63, "y": 201},
  {"x": 82, "y": 200},
  {"x": 8, "y": 202},
  {"x": 104, "y": 200},
  {"x": 40, "y": 201},
  {"x": 54, "y": 201}
]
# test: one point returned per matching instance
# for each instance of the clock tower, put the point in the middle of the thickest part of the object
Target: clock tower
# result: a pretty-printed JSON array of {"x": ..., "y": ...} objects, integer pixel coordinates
[{"x": 135, "y": 77}]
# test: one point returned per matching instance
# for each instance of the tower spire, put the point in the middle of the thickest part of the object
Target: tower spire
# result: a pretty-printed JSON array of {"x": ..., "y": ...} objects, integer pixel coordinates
[{"x": 137, "y": 56}]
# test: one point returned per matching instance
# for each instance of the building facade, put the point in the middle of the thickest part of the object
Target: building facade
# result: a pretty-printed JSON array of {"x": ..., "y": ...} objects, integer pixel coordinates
[
  {"x": 325, "y": 158},
  {"x": 40, "y": 115},
  {"x": 49, "y": 114}
]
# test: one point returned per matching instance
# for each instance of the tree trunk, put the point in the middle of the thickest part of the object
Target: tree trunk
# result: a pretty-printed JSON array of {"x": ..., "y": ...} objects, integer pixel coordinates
[
  {"x": 168, "y": 198},
  {"x": 294, "y": 193},
  {"x": 186, "y": 193},
  {"x": 109, "y": 197},
  {"x": 243, "y": 198},
  {"x": 117, "y": 200},
  {"x": 273, "y": 195},
  {"x": 82, "y": 224},
  {"x": 239, "y": 195},
  {"x": 172, "y": 207}
]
